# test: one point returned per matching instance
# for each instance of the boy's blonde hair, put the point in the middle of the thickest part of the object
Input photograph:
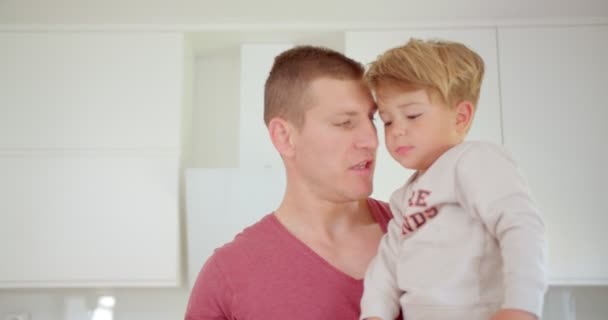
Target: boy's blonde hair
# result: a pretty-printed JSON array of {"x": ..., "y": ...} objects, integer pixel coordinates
[{"x": 447, "y": 70}]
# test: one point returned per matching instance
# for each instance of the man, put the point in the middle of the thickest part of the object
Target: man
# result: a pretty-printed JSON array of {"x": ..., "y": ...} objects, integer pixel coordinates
[{"x": 307, "y": 259}]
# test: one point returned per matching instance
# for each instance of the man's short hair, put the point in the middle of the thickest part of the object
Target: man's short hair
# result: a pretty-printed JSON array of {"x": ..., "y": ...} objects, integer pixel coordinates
[{"x": 286, "y": 91}]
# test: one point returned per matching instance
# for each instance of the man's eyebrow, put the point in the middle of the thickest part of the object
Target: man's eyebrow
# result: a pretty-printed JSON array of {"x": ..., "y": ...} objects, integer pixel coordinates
[{"x": 348, "y": 113}]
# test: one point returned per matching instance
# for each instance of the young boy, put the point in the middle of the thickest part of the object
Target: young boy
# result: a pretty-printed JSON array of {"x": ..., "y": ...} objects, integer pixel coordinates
[{"x": 466, "y": 241}]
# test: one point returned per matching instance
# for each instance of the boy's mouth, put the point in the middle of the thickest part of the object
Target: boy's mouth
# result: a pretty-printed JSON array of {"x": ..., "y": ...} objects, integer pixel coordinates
[{"x": 403, "y": 150}]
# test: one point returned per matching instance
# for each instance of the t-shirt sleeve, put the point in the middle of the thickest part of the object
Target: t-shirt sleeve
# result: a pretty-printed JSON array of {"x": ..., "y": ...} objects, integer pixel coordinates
[
  {"x": 490, "y": 185},
  {"x": 211, "y": 295},
  {"x": 381, "y": 212}
]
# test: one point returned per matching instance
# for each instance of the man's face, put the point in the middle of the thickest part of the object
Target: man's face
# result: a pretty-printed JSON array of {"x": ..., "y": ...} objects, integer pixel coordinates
[{"x": 335, "y": 149}]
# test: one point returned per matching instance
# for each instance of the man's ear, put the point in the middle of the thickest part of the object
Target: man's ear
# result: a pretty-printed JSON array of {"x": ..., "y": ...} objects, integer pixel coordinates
[
  {"x": 282, "y": 135},
  {"x": 464, "y": 116}
]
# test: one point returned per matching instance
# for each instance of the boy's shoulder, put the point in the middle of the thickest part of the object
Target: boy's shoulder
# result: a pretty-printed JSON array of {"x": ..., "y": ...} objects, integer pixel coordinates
[
  {"x": 477, "y": 151},
  {"x": 470, "y": 154},
  {"x": 478, "y": 146},
  {"x": 483, "y": 161}
]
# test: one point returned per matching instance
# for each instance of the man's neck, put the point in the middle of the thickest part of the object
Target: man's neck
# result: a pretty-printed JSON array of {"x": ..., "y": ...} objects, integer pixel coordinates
[
  {"x": 345, "y": 234},
  {"x": 321, "y": 217}
]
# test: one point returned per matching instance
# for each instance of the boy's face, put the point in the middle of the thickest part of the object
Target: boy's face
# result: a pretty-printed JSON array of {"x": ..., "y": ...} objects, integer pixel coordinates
[
  {"x": 336, "y": 147},
  {"x": 417, "y": 130}
]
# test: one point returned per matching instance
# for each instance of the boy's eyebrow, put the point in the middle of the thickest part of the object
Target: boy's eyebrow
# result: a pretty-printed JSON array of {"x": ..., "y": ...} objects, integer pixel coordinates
[{"x": 409, "y": 104}]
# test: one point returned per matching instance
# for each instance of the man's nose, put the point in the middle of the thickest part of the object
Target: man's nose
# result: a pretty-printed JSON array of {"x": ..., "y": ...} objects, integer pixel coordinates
[{"x": 368, "y": 137}]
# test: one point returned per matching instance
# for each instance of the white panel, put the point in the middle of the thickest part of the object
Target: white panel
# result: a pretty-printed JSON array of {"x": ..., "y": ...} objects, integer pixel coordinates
[
  {"x": 90, "y": 90},
  {"x": 89, "y": 220},
  {"x": 256, "y": 149},
  {"x": 555, "y": 112},
  {"x": 216, "y": 110},
  {"x": 222, "y": 202},
  {"x": 366, "y": 46}
]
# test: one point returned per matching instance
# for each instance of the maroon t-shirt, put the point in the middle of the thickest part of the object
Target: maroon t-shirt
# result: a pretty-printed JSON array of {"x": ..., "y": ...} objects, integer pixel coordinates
[{"x": 267, "y": 273}]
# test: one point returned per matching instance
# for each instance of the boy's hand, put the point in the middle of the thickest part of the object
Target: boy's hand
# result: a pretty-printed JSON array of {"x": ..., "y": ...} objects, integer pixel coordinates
[{"x": 513, "y": 314}]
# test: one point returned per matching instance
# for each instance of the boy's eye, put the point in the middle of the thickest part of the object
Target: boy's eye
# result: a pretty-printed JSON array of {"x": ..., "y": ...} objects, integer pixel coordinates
[
  {"x": 387, "y": 123},
  {"x": 413, "y": 116}
]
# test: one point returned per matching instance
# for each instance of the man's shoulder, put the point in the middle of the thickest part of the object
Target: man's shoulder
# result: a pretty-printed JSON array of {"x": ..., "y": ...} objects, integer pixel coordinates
[
  {"x": 247, "y": 240},
  {"x": 235, "y": 259},
  {"x": 227, "y": 271}
]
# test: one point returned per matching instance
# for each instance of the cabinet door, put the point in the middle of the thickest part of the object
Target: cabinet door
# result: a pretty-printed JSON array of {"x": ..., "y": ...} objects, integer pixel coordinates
[
  {"x": 90, "y": 90},
  {"x": 88, "y": 221},
  {"x": 554, "y": 109},
  {"x": 89, "y": 158},
  {"x": 366, "y": 46}
]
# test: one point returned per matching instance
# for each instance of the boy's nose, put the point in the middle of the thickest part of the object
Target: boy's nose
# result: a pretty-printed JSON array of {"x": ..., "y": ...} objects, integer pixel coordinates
[{"x": 397, "y": 130}]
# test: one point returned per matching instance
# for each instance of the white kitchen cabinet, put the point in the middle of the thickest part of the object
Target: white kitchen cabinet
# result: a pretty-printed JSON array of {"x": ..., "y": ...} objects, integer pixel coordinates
[
  {"x": 90, "y": 151},
  {"x": 90, "y": 90},
  {"x": 366, "y": 46},
  {"x": 553, "y": 82}
]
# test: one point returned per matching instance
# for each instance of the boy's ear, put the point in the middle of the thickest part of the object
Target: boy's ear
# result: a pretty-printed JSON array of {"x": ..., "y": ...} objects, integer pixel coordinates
[
  {"x": 464, "y": 116},
  {"x": 281, "y": 134}
]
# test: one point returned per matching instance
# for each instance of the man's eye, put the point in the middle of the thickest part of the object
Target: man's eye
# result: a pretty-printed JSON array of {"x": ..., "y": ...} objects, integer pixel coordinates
[
  {"x": 414, "y": 116},
  {"x": 346, "y": 123}
]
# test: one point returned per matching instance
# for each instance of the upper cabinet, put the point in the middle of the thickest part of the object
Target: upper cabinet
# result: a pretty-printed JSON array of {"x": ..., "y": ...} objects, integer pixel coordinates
[
  {"x": 255, "y": 147},
  {"x": 554, "y": 117},
  {"x": 366, "y": 46},
  {"x": 90, "y": 90},
  {"x": 90, "y": 152}
]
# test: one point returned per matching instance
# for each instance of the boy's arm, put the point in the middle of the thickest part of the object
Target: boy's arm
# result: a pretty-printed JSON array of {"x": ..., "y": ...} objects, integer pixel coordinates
[
  {"x": 211, "y": 296},
  {"x": 381, "y": 294},
  {"x": 490, "y": 184}
]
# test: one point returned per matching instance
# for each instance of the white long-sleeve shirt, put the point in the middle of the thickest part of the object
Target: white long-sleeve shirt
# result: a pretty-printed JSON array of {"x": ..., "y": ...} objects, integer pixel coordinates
[{"x": 466, "y": 240}]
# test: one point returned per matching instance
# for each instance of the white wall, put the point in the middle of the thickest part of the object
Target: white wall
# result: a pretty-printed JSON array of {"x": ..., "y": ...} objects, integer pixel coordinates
[{"x": 268, "y": 11}]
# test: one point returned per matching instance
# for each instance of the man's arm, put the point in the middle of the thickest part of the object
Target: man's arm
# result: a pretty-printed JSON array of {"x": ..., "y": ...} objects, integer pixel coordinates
[{"x": 211, "y": 295}]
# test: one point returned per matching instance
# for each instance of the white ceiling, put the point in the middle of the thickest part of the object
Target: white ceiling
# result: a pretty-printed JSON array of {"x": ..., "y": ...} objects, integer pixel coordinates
[{"x": 307, "y": 13}]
